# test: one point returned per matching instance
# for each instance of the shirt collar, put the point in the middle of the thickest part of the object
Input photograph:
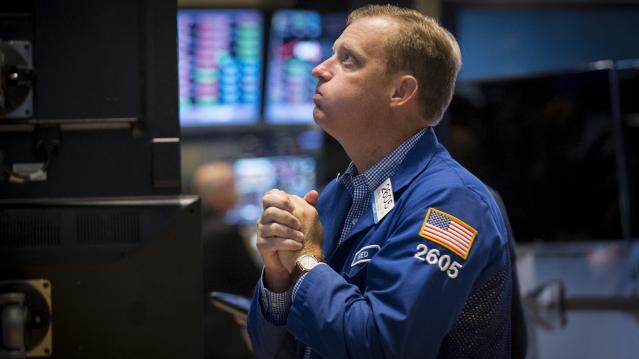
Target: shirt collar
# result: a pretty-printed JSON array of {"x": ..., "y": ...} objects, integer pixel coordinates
[{"x": 374, "y": 176}]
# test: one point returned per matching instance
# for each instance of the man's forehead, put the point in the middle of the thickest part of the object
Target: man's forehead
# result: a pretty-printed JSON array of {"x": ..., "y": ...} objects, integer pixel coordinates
[
  {"x": 382, "y": 23},
  {"x": 366, "y": 32}
]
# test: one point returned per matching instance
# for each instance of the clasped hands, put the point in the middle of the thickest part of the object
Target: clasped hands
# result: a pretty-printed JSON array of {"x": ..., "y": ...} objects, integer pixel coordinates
[{"x": 288, "y": 228}]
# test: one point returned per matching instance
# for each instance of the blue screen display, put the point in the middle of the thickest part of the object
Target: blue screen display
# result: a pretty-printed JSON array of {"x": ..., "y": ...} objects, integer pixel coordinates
[
  {"x": 299, "y": 40},
  {"x": 220, "y": 66},
  {"x": 254, "y": 176}
]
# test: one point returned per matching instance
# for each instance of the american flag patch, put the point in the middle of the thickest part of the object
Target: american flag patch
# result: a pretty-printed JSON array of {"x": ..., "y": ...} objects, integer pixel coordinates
[{"x": 450, "y": 232}]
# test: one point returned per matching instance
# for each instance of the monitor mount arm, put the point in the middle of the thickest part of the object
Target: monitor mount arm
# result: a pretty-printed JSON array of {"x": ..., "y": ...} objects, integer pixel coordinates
[{"x": 548, "y": 304}]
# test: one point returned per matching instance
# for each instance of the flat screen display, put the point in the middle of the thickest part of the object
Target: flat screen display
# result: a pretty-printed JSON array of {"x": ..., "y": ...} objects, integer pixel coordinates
[
  {"x": 299, "y": 40},
  {"x": 547, "y": 145},
  {"x": 220, "y": 66},
  {"x": 255, "y": 176}
]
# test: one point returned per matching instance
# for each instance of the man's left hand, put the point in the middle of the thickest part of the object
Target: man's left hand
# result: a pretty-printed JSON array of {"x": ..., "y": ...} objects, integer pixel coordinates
[{"x": 307, "y": 214}]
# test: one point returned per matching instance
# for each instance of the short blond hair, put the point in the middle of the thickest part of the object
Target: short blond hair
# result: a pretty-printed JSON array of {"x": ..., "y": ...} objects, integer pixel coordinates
[{"x": 423, "y": 48}]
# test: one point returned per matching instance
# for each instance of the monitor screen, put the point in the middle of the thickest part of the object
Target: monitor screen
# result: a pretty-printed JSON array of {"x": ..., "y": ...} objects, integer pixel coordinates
[
  {"x": 546, "y": 144},
  {"x": 299, "y": 40},
  {"x": 220, "y": 66},
  {"x": 255, "y": 176}
]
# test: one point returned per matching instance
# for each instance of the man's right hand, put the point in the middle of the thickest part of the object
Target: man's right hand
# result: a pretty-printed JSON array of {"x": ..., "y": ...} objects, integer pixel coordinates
[
  {"x": 277, "y": 229},
  {"x": 306, "y": 212}
]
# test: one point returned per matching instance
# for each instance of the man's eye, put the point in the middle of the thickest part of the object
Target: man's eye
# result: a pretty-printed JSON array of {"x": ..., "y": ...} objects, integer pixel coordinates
[{"x": 347, "y": 59}]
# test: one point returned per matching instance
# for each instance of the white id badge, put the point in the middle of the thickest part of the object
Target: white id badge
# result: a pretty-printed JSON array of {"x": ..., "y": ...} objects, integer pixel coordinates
[{"x": 383, "y": 200}]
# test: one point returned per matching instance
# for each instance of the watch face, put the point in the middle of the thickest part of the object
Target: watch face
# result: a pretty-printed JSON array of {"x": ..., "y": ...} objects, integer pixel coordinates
[{"x": 308, "y": 262}]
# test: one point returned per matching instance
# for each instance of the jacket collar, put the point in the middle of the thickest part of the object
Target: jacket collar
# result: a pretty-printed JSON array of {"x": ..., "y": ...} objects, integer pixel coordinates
[{"x": 333, "y": 213}]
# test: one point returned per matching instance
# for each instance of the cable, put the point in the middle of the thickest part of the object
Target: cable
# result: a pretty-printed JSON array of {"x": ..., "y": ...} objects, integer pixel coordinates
[{"x": 46, "y": 146}]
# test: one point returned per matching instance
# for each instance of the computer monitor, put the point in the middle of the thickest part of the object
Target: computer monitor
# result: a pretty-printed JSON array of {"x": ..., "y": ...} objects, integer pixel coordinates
[
  {"x": 255, "y": 176},
  {"x": 122, "y": 276},
  {"x": 546, "y": 143},
  {"x": 220, "y": 66},
  {"x": 299, "y": 40}
]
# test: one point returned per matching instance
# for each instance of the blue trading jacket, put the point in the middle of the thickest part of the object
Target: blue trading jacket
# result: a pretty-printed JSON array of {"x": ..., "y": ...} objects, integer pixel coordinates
[{"x": 390, "y": 292}]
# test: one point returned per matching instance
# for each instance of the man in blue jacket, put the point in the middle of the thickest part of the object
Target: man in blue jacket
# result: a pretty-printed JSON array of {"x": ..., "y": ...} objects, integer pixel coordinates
[{"x": 404, "y": 255}]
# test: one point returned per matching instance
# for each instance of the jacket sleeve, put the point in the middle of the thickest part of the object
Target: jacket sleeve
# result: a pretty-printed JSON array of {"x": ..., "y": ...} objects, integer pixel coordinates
[
  {"x": 268, "y": 340},
  {"x": 409, "y": 304}
]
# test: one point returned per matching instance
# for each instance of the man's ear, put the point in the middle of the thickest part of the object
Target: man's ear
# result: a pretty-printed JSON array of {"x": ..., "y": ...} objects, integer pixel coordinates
[{"x": 404, "y": 91}]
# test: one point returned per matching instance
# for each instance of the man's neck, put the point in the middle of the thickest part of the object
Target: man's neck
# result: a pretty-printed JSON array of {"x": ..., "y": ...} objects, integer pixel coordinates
[{"x": 367, "y": 152}]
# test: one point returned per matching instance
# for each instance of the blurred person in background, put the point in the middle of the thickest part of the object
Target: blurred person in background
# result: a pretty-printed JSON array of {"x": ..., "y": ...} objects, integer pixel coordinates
[{"x": 228, "y": 264}]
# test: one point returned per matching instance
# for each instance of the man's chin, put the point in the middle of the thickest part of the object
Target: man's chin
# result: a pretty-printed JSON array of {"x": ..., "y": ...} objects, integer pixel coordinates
[{"x": 319, "y": 116}]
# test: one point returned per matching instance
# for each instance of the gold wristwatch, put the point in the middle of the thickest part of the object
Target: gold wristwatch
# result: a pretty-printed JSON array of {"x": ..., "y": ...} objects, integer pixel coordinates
[{"x": 304, "y": 264}]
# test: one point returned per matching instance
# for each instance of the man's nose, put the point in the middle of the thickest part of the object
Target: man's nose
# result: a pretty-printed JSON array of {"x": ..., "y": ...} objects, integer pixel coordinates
[{"x": 321, "y": 71}]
